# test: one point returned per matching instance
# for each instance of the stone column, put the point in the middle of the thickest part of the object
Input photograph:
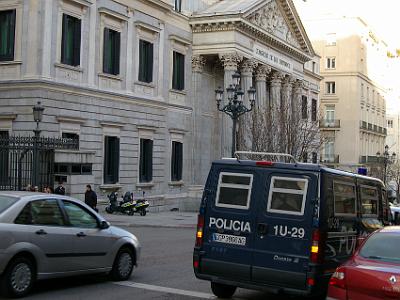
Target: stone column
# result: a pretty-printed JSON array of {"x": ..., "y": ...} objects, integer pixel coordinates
[
  {"x": 276, "y": 86},
  {"x": 246, "y": 82},
  {"x": 275, "y": 115},
  {"x": 296, "y": 98},
  {"x": 230, "y": 62},
  {"x": 198, "y": 63},
  {"x": 92, "y": 45},
  {"x": 286, "y": 116},
  {"x": 261, "y": 87},
  {"x": 129, "y": 43}
]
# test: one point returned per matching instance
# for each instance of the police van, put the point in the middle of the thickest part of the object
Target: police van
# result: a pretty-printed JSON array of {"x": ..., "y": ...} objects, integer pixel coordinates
[{"x": 281, "y": 226}]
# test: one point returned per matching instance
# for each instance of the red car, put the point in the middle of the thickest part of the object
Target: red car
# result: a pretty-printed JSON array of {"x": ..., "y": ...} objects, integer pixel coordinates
[{"x": 374, "y": 270}]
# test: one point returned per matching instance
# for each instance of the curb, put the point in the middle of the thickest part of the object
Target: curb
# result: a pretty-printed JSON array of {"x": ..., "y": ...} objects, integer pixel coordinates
[{"x": 184, "y": 226}]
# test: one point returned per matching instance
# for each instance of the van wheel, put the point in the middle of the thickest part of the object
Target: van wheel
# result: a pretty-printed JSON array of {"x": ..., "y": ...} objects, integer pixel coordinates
[
  {"x": 123, "y": 265},
  {"x": 18, "y": 278},
  {"x": 222, "y": 290}
]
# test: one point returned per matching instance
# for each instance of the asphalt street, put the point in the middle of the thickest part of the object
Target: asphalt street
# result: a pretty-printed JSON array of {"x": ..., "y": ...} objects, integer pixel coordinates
[{"x": 165, "y": 272}]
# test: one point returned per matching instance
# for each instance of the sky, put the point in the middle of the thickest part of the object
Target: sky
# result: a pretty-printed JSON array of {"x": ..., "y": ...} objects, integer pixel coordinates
[{"x": 382, "y": 16}]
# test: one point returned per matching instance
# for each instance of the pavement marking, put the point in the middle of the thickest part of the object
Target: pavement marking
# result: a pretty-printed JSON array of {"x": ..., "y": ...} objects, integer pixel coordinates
[{"x": 168, "y": 290}]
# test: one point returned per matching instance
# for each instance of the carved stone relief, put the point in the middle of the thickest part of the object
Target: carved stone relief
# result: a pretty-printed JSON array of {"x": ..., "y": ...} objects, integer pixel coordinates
[{"x": 271, "y": 19}]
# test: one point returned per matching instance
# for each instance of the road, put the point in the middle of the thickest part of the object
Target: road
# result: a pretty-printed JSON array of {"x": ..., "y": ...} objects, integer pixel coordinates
[{"x": 164, "y": 272}]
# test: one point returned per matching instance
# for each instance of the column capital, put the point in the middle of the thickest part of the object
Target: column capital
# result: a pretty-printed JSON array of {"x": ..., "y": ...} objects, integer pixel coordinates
[
  {"x": 262, "y": 72},
  {"x": 289, "y": 81},
  {"x": 277, "y": 77},
  {"x": 230, "y": 61},
  {"x": 198, "y": 62},
  {"x": 248, "y": 66},
  {"x": 297, "y": 84}
]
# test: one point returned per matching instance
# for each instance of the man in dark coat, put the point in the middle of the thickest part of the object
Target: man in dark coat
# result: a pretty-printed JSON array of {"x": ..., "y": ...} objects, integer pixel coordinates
[
  {"x": 90, "y": 197},
  {"x": 60, "y": 190}
]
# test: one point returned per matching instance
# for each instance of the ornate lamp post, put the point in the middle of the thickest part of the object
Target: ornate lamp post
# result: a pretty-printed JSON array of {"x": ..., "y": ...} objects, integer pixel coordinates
[
  {"x": 37, "y": 116},
  {"x": 387, "y": 159},
  {"x": 235, "y": 107}
]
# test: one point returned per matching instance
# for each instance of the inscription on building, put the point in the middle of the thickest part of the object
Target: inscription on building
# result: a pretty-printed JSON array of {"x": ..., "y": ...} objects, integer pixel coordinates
[{"x": 272, "y": 59}]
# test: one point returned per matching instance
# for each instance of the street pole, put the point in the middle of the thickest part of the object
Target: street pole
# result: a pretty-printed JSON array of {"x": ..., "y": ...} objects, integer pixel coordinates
[
  {"x": 235, "y": 107},
  {"x": 37, "y": 117}
]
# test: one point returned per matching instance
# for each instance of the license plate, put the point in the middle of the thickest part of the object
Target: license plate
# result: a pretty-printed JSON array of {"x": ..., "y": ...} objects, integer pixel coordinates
[{"x": 229, "y": 239}]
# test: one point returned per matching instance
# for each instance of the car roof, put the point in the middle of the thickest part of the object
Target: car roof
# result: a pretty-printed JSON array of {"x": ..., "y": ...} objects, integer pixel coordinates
[
  {"x": 390, "y": 229},
  {"x": 295, "y": 166}
]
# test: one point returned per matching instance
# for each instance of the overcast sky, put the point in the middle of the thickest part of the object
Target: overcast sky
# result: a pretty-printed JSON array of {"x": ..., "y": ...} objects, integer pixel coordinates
[{"x": 382, "y": 16}]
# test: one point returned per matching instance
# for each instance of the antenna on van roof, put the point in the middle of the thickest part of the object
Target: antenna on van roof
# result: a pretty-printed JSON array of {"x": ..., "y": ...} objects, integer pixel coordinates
[{"x": 270, "y": 155}]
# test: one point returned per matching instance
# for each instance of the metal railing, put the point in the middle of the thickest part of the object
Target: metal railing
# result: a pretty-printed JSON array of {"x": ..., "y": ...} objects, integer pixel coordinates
[
  {"x": 327, "y": 123},
  {"x": 330, "y": 158}
]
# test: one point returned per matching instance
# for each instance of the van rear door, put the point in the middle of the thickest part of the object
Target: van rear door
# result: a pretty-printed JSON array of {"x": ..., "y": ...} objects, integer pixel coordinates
[
  {"x": 229, "y": 223},
  {"x": 284, "y": 230}
]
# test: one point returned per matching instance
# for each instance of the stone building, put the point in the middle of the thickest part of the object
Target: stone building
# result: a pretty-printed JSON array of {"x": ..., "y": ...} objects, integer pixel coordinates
[
  {"x": 134, "y": 81},
  {"x": 354, "y": 65}
]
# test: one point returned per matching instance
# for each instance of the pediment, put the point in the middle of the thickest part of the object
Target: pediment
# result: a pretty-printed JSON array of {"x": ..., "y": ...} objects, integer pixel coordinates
[{"x": 270, "y": 18}]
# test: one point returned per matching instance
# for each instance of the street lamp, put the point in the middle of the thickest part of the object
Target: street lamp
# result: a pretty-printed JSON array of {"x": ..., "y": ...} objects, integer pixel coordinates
[
  {"x": 235, "y": 107},
  {"x": 387, "y": 159},
  {"x": 37, "y": 110}
]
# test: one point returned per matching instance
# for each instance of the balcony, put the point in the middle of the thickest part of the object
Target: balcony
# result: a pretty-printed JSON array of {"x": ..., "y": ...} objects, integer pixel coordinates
[
  {"x": 330, "y": 158},
  {"x": 372, "y": 159},
  {"x": 327, "y": 123},
  {"x": 373, "y": 128}
]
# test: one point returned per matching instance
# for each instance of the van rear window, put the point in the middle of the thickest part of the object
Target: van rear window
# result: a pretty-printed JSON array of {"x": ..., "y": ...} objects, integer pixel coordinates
[
  {"x": 287, "y": 195},
  {"x": 234, "y": 190}
]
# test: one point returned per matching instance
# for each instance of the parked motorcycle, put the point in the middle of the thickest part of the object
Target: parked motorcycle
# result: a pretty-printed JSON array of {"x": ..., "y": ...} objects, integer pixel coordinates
[{"x": 128, "y": 205}]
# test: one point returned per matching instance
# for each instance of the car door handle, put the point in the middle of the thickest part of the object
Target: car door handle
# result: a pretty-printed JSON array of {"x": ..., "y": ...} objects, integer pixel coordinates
[
  {"x": 41, "y": 232},
  {"x": 80, "y": 234},
  {"x": 262, "y": 229}
]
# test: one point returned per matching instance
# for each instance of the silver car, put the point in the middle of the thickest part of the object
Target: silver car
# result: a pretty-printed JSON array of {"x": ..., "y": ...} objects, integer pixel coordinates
[{"x": 47, "y": 236}]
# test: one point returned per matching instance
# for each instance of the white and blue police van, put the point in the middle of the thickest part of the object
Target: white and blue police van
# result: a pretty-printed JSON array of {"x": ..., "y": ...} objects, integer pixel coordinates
[{"x": 282, "y": 227}]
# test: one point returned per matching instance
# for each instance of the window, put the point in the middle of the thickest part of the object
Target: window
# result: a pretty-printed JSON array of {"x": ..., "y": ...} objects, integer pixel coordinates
[
  {"x": 390, "y": 123},
  {"x": 71, "y": 136},
  {"x": 41, "y": 212},
  {"x": 314, "y": 110},
  {"x": 382, "y": 247},
  {"x": 234, "y": 190},
  {"x": 330, "y": 62},
  {"x": 145, "y": 61},
  {"x": 111, "y": 159},
  {"x": 146, "y": 160},
  {"x": 362, "y": 90},
  {"x": 305, "y": 157},
  {"x": 304, "y": 106},
  {"x": 111, "y": 51},
  {"x": 78, "y": 217},
  {"x": 287, "y": 195},
  {"x": 314, "y": 157},
  {"x": 71, "y": 41},
  {"x": 176, "y": 161},
  {"x": 178, "y": 5},
  {"x": 7, "y": 35},
  {"x": 331, "y": 39},
  {"x": 6, "y": 202},
  {"x": 369, "y": 200},
  {"x": 345, "y": 198},
  {"x": 329, "y": 115},
  {"x": 314, "y": 67},
  {"x": 178, "y": 73},
  {"x": 330, "y": 87}
]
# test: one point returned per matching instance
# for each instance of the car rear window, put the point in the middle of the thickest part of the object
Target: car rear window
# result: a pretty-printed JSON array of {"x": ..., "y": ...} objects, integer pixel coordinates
[
  {"x": 382, "y": 247},
  {"x": 287, "y": 195},
  {"x": 6, "y": 202},
  {"x": 234, "y": 190}
]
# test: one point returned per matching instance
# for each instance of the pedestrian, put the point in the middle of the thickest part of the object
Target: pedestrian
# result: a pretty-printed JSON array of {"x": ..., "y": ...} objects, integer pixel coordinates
[
  {"x": 50, "y": 190},
  {"x": 91, "y": 197},
  {"x": 60, "y": 189}
]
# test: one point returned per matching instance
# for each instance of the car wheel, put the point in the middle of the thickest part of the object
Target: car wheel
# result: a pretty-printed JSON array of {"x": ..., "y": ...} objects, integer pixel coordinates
[
  {"x": 222, "y": 290},
  {"x": 18, "y": 278},
  {"x": 123, "y": 265}
]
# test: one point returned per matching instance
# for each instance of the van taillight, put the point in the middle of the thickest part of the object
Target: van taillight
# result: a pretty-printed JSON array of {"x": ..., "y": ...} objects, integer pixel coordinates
[
  {"x": 338, "y": 278},
  {"x": 199, "y": 231},
  {"x": 316, "y": 251}
]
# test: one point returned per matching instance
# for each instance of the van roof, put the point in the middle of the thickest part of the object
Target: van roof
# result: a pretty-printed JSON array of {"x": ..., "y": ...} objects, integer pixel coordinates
[{"x": 295, "y": 166}]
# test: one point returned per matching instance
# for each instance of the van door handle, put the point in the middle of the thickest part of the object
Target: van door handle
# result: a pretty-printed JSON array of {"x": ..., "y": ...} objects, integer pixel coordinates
[{"x": 262, "y": 229}]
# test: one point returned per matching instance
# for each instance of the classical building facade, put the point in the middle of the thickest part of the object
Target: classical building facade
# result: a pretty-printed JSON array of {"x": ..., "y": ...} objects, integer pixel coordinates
[
  {"x": 353, "y": 107},
  {"x": 134, "y": 81}
]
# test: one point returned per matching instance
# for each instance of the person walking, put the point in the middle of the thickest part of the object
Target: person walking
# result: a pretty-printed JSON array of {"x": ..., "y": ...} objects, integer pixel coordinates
[
  {"x": 91, "y": 197},
  {"x": 60, "y": 190}
]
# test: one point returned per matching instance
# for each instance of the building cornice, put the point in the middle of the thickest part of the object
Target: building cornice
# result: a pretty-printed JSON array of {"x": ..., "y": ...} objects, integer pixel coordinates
[
  {"x": 312, "y": 74},
  {"x": 89, "y": 92}
]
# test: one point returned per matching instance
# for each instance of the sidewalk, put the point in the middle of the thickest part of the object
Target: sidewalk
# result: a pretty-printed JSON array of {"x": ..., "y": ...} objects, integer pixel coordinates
[{"x": 171, "y": 219}]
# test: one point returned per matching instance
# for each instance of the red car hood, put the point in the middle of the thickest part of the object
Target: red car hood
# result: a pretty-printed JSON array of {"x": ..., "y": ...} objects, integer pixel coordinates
[{"x": 371, "y": 279}]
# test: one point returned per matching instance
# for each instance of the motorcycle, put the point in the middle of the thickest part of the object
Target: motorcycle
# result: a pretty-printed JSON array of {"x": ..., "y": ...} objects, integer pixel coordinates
[{"x": 128, "y": 205}]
